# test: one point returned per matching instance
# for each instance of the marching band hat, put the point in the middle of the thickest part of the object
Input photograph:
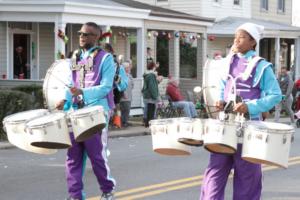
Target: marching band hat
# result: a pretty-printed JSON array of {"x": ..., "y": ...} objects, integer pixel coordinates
[{"x": 254, "y": 30}]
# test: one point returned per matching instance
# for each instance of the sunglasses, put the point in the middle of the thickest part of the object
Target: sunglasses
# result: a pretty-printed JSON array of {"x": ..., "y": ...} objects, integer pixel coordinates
[{"x": 79, "y": 33}]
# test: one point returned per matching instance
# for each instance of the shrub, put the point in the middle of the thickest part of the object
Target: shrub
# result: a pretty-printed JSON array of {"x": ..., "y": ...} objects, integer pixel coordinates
[
  {"x": 36, "y": 91},
  {"x": 13, "y": 101}
]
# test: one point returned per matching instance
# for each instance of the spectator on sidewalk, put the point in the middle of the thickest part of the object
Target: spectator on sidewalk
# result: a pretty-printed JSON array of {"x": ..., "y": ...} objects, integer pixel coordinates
[
  {"x": 176, "y": 97},
  {"x": 125, "y": 102},
  {"x": 286, "y": 85},
  {"x": 150, "y": 93}
]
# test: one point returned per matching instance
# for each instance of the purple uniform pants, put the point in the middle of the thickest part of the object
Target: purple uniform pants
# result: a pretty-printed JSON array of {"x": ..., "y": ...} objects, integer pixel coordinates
[
  {"x": 247, "y": 181},
  {"x": 95, "y": 148}
]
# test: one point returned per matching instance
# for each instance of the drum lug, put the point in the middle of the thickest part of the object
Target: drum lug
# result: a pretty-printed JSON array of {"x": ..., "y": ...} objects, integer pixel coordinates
[
  {"x": 239, "y": 132},
  {"x": 284, "y": 139},
  {"x": 44, "y": 130},
  {"x": 267, "y": 139},
  {"x": 59, "y": 124},
  {"x": 92, "y": 118},
  {"x": 75, "y": 121}
]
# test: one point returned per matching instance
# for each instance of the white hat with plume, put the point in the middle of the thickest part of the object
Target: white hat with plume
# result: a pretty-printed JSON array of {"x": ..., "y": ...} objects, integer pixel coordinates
[{"x": 254, "y": 30}]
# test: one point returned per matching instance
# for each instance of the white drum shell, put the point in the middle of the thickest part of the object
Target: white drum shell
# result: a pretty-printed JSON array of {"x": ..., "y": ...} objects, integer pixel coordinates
[
  {"x": 53, "y": 134},
  {"x": 267, "y": 146},
  {"x": 194, "y": 133},
  {"x": 165, "y": 135},
  {"x": 15, "y": 128},
  {"x": 220, "y": 136},
  {"x": 84, "y": 119}
]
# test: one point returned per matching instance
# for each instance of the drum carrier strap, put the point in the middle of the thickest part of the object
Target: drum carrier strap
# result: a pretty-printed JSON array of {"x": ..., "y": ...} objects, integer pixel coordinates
[{"x": 83, "y": 65}]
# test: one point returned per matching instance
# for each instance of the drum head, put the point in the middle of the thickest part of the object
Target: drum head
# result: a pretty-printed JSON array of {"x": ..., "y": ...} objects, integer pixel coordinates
[
  {"x": 57, "y": 80},
  {"x": 46, "y": 119},
  {"x": 25, "y": 116},
  {"x": 87, "y": 110},
  {"x": 213, "y": 71}
]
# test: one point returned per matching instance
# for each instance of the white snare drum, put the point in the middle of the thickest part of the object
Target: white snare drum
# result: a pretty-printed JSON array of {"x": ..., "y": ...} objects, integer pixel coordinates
[
  {"x": 56, "y": 82},
  {"x": 220, "y": 136},
  {"x": 193, "y": 135},
  {"x": 87, "y": 121},
  {"x": 50, "y": 131},
  {"x": 14, "y": 125},
  {"x": 267, "y": 143},
  {"x": 165, "y": 133}
]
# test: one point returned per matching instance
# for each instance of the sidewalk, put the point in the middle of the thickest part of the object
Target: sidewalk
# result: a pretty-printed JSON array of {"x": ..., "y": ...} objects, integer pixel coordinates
[{"x": 136, "y": 130}]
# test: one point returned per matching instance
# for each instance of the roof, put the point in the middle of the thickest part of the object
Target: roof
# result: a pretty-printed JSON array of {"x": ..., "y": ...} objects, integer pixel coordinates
[
  {"x": 228, "y": 25},
  {"x": 162, "y": 12},
  {"x": 129, "y": 4}
]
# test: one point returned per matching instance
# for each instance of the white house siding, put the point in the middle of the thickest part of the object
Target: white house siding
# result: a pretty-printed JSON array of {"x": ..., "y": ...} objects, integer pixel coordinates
[
  {"x": 118, "y": 42},
  {"x": 3, "y": 49},
  {"x": 224, "y": 9},
  {"x": 46, "y": 47},
  {"x": 151, "y": 42},
  {"x": 272, "y": 14},
  {"x": 190, "y": 7}
]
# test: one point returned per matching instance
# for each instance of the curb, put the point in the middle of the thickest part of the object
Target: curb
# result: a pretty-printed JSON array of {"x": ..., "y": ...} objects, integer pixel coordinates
[{"x": 6, "y": 145}]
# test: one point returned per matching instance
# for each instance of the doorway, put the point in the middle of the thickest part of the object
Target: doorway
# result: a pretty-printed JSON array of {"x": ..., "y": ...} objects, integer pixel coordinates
[{"x": 21, "y": 56}]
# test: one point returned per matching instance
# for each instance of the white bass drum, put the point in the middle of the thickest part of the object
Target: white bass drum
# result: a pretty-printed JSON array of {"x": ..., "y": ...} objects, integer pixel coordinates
[
  {"x": 57, "y": 80},
  {"x": 213, "y": 71}
]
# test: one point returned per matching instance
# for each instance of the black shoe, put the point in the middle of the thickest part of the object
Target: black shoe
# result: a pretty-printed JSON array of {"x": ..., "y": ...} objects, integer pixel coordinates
[{"x": 107, "y": 196}]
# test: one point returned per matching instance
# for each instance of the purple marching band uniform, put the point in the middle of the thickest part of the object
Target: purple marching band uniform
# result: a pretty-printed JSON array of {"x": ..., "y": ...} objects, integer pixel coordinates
[
  {"x": 260, "y": 92},
  {"x": 96, "y": 91}
]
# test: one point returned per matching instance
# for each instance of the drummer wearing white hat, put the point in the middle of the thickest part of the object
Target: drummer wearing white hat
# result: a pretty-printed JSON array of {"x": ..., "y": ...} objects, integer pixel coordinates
[{"x": 260, "y": 92}]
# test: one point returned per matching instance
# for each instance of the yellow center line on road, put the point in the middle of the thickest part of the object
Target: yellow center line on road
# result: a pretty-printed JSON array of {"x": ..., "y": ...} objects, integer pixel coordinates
[
  {"x": 176, "y": 185},
  {"x": 159, "y": 185}
]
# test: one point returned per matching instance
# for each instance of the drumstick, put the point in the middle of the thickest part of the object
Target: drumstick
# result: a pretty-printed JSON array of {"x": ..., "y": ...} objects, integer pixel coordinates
[{"x": 67, "y": 85}]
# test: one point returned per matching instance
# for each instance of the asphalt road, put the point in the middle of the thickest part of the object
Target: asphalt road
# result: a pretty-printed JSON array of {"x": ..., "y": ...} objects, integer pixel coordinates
[{"x": 140, "y": 174}]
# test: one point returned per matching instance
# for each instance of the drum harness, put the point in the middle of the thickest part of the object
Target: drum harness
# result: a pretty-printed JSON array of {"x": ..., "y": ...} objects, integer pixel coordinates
[
  {"x": 228, "y": 113},
  {"x": 83, "y": 66}
]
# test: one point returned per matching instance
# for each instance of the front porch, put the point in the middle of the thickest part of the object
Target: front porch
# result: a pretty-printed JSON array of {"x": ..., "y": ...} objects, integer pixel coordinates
[{"x": 132, "y": 30}]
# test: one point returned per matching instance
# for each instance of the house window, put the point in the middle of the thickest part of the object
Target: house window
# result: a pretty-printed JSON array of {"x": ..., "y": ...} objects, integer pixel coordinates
[
  {"x": 264, "y": 5},
  {"x": 236, "y": 2},
  {"x": 188, "y": 61},
  {"x": 281, "y": 6},
  {"x": 158, "y": 1}
]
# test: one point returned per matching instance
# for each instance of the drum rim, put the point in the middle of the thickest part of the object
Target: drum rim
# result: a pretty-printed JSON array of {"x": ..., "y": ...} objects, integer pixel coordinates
[
  {"x": 20, "y": 121},
  {"x": 223, "y": 122},
  {"x": 41, "y": 125},
  {"x": 75, "y": 114}
]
